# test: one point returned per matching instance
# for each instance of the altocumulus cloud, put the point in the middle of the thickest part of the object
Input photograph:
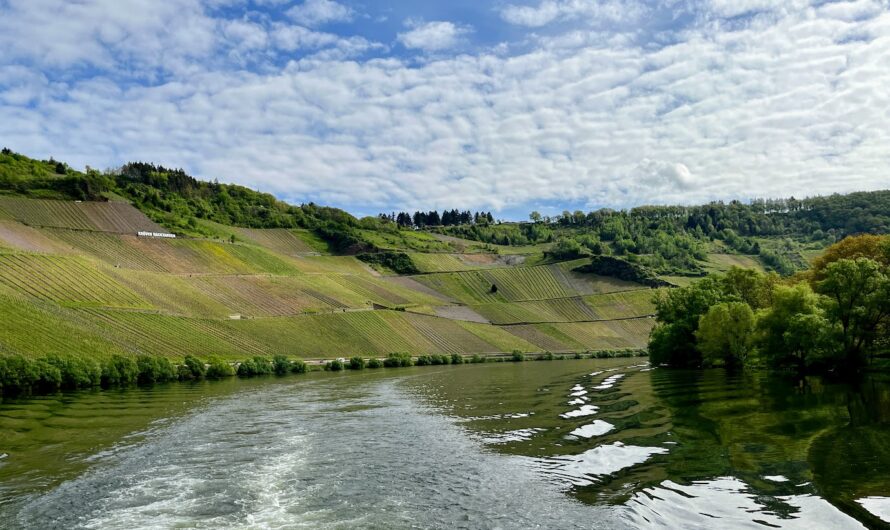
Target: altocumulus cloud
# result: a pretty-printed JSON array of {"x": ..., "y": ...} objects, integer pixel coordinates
[{"x": 744, "y": 98}]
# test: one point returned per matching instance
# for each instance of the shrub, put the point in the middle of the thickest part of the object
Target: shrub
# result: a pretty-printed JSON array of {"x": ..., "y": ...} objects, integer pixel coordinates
[
  {"x": 154, "y": 369},
  {"x": 119, "y": 370},
  {"x": 263, "y": 366},
  {"x": 394, "y": 360},
  {"x": 280, "y": 365},
  {"x": 476, "y": 358},
  {"x": 195, "y": 366},
  {"x": 577, "y": 356},
  {"x": 218, "y": 369},
  {"x": 183, "y": 373},
  {"x": 333, "y": 366},
  {"x": 76, "y": 372},
  {"x": 457, "y": 358},
  {"x": 546, "y": 356},
  {"x": 517, "y": 356},
  {"x": 247, "y": 368},
  {"x": 423, "y": 360},
  {"x": 375, "y": 363},
  {"x": 357, "y": 363},
  {"x": 299, "y": 366},
  {"x": 21, "y": 375}
]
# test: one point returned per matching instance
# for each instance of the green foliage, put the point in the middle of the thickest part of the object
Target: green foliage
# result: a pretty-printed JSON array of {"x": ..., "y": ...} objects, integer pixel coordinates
[
  {"x": 621, "y": 269},
  {"x": 476, "y": 358},
  {"x": 375, "y": 363},
  {"x": 357, "y": 363},
  {"x": 333, "y": 366},
  {"x": 793, "y": 331},
  {"x": 858, "y": 299},
  {"x": 565, "y": 249},
  {"x": 281, "y": 365},
  {"x": 678, "y": 312},
  {"x": 724, "y": 334},
  {"x": 256, "y": 366},
  {"x": 517, "y": 356},
  {"x": 218, "y": 369},
  {"x": 153, "y": 369},
  {"x": 19, "y": 374},
  {"x": 457, "y": 358},
  {"x": 398, "y": 262},
  {"x": 423, "y": 360},
  {"x": 195, "y": 367},
  {"x": 394, "y": 360},
  {"x": 119, "y": 371},
  {"x": 299, "y": 367}
]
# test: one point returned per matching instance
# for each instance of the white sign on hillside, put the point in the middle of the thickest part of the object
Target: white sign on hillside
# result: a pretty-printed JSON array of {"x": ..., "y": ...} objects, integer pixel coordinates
[{"x": 155, "y": 234}]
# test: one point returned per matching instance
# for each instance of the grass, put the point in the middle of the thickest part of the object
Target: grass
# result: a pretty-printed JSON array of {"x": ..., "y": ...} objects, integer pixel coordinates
[
  {"x": 407, "y": 240},
  {"x": 723, "y": 262}
]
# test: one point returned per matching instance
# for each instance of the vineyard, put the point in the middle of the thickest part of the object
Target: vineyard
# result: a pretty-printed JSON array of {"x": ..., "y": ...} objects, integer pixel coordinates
[
  {"x": 65, "y": 281},
  {"x": 117, "y": 217},
  {"x": 278, "y": 240},
  {"x": 75, "y": 278},
  {"x": 504, "y": 284}
]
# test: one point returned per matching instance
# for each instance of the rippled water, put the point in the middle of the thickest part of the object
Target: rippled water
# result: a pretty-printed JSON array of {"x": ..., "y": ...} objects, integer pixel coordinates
[{"x": 483, "y": 446}]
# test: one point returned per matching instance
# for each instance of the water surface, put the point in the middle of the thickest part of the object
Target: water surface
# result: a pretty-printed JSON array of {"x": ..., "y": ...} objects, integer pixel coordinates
[{"x": 567, "y": 444}]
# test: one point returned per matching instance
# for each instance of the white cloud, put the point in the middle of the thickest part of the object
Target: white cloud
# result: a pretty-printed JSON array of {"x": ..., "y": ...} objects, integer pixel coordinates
[
  {"x": 593, "y": 11},
  {"x": 793, "y": 104},
  {"x": 318, "y": 12},
  {"x": 432, "y": 36}
]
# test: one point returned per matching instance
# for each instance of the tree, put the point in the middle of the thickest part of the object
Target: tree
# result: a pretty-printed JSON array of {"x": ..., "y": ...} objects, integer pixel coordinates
[
  {"x": 725, "y": 334},
  {"x": 535, "y": 217},
  {"x": 677, "y": 312},
  {"x": 793, "y": 332},
  {"x": 862, "y": 246},
  {"x": 859, "y": 301}
]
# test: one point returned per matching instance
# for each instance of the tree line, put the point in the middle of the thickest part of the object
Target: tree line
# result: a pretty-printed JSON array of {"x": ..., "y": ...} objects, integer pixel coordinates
[{"x": 432, "y": 218}]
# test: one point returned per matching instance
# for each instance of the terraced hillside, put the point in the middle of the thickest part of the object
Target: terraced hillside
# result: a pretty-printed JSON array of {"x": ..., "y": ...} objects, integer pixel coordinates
[{"x": 75, "y": 275}]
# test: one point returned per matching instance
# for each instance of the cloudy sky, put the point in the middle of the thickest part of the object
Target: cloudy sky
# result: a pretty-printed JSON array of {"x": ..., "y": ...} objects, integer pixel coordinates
[{"x": 509, "y": 105}]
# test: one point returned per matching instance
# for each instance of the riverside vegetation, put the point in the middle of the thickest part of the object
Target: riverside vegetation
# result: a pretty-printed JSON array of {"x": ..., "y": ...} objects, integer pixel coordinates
[{"x": 254, "y": 285}]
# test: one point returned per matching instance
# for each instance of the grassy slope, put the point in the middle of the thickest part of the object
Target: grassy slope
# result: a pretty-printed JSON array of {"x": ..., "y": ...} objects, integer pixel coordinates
[{"x": 74, "y": 277}]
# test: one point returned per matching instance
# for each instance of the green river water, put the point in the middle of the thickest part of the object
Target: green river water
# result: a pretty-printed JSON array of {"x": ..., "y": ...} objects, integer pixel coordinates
[{"x": 562, "y": 444}]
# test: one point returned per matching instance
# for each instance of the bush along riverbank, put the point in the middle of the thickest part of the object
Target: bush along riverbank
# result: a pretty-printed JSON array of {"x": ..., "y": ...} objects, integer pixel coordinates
[{"x": 21, "y": 375}]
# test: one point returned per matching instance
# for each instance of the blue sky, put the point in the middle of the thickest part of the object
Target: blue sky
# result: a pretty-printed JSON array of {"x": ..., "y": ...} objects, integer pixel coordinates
[{"x": 508, "y": 106}]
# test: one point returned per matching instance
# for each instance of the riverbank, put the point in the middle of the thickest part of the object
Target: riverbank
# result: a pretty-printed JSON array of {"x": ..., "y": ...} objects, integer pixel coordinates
[{"x": 21, "y": 375}]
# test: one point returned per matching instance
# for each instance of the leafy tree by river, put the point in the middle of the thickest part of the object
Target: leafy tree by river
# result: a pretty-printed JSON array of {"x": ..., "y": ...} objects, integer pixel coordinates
[{"x": 834, "y": 317}]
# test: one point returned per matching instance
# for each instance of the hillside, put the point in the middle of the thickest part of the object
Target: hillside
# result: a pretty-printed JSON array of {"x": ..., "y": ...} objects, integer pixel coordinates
[{"x": 75, "y": 278}]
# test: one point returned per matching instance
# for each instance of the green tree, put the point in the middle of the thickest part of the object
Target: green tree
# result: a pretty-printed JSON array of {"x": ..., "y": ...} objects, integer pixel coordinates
[
  {"x": 725, "y": 334},
  {"x": 677, "y": 312},
  {"x": 794, "y": 332},
  {"x": 859, "y": 301}
]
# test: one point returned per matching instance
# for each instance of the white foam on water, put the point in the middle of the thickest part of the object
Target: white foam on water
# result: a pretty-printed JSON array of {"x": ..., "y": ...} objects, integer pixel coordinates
[
  {"x": 594, "y": 374},
  {"x": 609, "y": 382},
  {"x": 578, "y": 401},
  {"x": 775, "y": 478},
  {"x": 578, "y": 393},
  {"x": 597, "y": 428},
  {"x": 877, "y": 506},
  {"x": 727, "y": 502},
  {"x": 576, "y": 388},
  {"x": 586, "y": 468},
  {"x": 585, "y": 410},
  {"x": 519, "y": 435}
]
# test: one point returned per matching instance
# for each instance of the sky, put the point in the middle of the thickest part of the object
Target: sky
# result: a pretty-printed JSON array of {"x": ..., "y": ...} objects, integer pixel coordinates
[{"x": 509, "y": 106}]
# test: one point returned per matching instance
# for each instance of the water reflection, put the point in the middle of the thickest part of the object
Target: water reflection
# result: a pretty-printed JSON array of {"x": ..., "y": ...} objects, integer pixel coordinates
[{"x": 679, "y": 448}]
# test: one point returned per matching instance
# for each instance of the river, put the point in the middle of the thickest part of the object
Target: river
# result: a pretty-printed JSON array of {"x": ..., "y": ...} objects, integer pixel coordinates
[{"x": 561, "y": 444}]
